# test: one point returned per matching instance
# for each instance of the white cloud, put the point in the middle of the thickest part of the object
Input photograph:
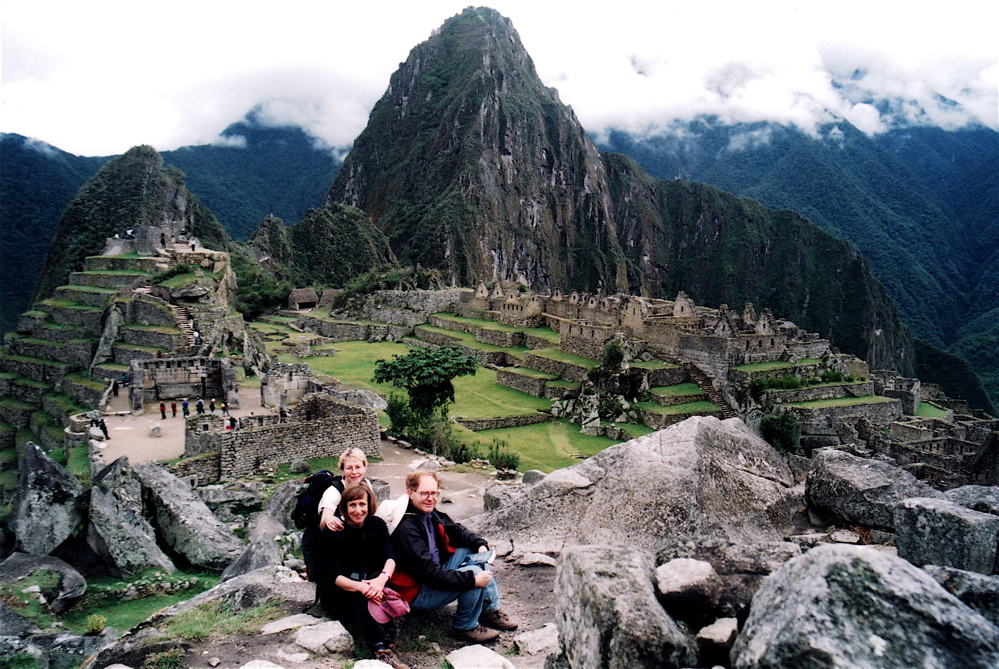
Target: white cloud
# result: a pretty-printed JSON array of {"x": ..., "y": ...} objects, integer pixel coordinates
[{"x": 100, "y": 76}]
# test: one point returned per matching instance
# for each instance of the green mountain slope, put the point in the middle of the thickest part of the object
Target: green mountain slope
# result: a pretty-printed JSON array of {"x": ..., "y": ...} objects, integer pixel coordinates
[{"x": 36, "y": 182}]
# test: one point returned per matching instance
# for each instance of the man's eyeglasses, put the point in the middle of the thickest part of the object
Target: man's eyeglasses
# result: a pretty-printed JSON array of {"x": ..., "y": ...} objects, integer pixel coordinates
[{"x": 429, "y": 494}]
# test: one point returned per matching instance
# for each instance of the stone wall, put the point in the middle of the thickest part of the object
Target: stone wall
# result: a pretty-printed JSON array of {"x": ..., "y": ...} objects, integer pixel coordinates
[
  {"x": 522, "y": 382},
  {"x": 156, "y": 338},
  {"x": 89, "y": 317},
  {"x": 500, "y": 338},
  {"x": 497, "y": 358},
  {"x": 563, "y": 370},
  {"x": 207, "y": 468},
  {"x": 285, "y": 384},
  {"x": 478, "y": 424},
  {"x": 318, "y": 427},
  {"x": 813, "y": 393},
  {"x": 586, "y": 341},
  {"x": 156, "y": 379},
  {"x": 663, "y": 376},
  {"x": 880, "y": 414}
]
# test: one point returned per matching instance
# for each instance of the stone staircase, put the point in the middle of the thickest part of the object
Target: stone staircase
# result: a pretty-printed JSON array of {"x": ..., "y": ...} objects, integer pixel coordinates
[{"x": 705, "y": 383}]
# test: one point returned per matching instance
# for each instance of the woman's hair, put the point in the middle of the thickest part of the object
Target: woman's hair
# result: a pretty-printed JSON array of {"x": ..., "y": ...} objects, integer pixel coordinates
[
  {"x": 357, "y": 491},
  {"x": 353, "y": 454},
  {"x": 413, "y": 479}
]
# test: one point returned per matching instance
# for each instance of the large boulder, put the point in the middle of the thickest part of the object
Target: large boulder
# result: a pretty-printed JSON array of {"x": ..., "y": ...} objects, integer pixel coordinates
[
  {"x": 937, "y": 531},
  {"x": 47, "y": 511},
  {"x": 982, "y": 498},
  {"x": 860, "y": 490},
  {"x": 71, "y": 586},
  {"x": 608, "y": 615},
  {"x": 262, "y": 552},
  {"x": 855, "y": 606},
  {"x": 118, "y": 531},
  {"x": 978, "y": 591},
  {"x": 185, "y": 522},
  {"x": 238, "y": 497},
  {"x": 282, "y": 502},
  {"x": 13, "y": 623},
  {"x": 698, "y": 479}
]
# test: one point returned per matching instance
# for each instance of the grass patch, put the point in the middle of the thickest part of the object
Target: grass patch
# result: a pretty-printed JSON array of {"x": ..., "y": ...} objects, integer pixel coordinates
[
  {"x": 162, "y": 329},
  {"x": 842, "y": 402},
  {"x": 635, "y": 431},
  {"x": 469, "y": 340},
  {"x": 218, "y": 619},
  {"x": 685, "y": 408},
  {"x": 82, "y": 379},
  {"x": 562, "y": 356},
  {"x": 354, "y": 365},
  {"x": 679, "y": 390},
  {"x": 479, "y": 396},
  {"x": 927, "y": 410},
  {"x": 548, "y": 446},
  {"x": 775, "y": 364},
  {"x": 78, "y": 463},
  {"x": 530, "y": 373}
]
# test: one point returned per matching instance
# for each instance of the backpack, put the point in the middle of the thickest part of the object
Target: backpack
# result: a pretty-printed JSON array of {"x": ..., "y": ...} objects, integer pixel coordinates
[{"x": 306, "y": 513}]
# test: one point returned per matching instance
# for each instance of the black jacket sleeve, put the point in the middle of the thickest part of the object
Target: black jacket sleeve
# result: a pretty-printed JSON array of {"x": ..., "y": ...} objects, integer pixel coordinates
[{"x": 412, "y": 552}]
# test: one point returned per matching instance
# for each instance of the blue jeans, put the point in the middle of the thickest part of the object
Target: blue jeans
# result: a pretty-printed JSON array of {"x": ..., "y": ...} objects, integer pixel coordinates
[{"x": 471, "y": 602}]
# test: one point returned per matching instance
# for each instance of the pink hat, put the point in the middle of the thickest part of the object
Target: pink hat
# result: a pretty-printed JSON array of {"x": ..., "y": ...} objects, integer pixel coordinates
[{"x": 391, "y": 606}]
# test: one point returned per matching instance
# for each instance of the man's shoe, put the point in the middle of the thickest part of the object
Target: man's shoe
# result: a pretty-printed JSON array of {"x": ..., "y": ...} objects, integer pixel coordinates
[
  {"x": 389, "y": 657},
  {"x": 477, "y": 634},
  {"x": 497, "y": 620}
]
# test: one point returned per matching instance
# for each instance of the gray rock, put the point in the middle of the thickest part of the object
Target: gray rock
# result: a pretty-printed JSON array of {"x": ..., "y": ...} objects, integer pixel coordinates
[
  {"x": 532, "y": 476},
  {"x": 282, "y": 502},
  {"x": 537, "y": 560},
  {"x": 382, "y": 489},
  {"x": 237, "y": 497},
  {"x": 690, "y": 590},
  {"x": 47, "y": 510},
  {"x": 860, "y": 490},
  {"x": 714, "y": 642},
  {"x": 978, "y": 591},
  {"x": 185, "y": 522},
  {"x": 300, "y": 466},
  {"x": 477, "y": 657},
  {"x": 263, "y": 524},
  {"x": 711, "y": 479},
  {"x": 155, "y": 430},
  {"x": 118, "y": 532},
  {"x": 978, "y": 497},
  {"x": 827, "y": 609},
  {"x": 608, "y": 615},
  {"x": 13, "y": 623},
  {"x": 289, "y": 623},
  {"x": 324, "y": 638},
  {"x": 937, "y": 531},
  {"x": 261, "y": 552},
  {"x": 497, "y": 495},
  {"x": 72, "y": 585},
  {"x": 539, "y": 641}
]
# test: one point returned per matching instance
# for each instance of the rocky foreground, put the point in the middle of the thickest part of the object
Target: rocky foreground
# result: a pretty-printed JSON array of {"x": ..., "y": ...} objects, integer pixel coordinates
[{"x": 691, "y": 547}]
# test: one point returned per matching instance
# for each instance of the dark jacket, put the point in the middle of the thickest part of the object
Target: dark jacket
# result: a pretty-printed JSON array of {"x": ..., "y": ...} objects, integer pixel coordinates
[
  {"x": 352, "y": 550},
  {"x": 412, "y": 551}
]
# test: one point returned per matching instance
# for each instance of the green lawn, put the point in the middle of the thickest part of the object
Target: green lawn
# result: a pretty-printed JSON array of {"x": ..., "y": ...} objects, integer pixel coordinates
[
  {"x": 842, "y": 402},
  {"x": 480, "y": 396},
  {"x": 927, "y": 410},
  {"x": 686, "y": 407},
  {"x": 354, "y": 365},
  {"x": 470, "y": 341},
  {"x": 548, "y": 446},
  {"x": 677, "y": 390},
  {"x": 562, "y": 356},
  {"x": 542, "y": 333}
]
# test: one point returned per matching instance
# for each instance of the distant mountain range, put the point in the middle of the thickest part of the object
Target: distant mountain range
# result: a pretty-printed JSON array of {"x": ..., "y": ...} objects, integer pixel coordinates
[{"x": 471, "y": 165}]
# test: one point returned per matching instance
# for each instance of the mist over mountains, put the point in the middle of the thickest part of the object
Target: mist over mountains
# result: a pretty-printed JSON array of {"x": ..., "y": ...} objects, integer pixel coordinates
[{"x": 472, "y": 166}]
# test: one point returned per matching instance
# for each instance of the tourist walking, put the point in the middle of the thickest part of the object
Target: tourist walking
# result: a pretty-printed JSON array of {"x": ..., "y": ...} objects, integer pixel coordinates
[
  {"x": 162, "y": 411},
  {"x": 211, "y": 406},
  {"x": 173, "y": 408},
  {"x": 185, "y": 408}
]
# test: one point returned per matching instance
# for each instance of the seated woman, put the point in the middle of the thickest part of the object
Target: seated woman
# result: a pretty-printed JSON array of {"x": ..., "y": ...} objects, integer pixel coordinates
[
  {"x": 358, "y": 561},
  {"x": 353, "y": 468}
]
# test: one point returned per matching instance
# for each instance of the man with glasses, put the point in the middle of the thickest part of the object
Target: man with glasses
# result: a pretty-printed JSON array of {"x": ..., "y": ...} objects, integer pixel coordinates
[{"x": 436, "y": 565}]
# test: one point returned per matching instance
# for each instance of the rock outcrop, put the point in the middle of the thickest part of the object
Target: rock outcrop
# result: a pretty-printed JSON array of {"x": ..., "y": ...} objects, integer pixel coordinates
[
  {"x": 118, "y": 531},
  {"x": 71, "y": 586},
  {"x": 608, "y": 615},
  {"x": 185, "y": 522},
  {"x": 860, "y": 490},
  {"x": 702, "y": 479},
  {"x": 941, "y": 532},
  {"x": 850, "y": 606},
  {"x": 47, "y": 510}
]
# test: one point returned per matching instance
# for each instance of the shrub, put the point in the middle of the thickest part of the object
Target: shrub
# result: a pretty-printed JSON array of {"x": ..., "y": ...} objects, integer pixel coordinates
[
  {"x": 461, "y": 452},
  {"x": 501, "y": 457},
  {"x": 95, "y": 625},
  {"x": 613, "y": 354},
  {"x": 782, "y": 431},
  {"x": 832, "y": 376},
  {"x": 399, "y": 413},
  {"x": 168, "y": 659}
]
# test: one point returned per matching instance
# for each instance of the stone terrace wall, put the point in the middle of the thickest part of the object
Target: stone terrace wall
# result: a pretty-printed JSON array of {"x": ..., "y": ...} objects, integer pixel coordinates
[
  {"x": 820, "y": 393},
  {"x": 586, "y": 341},
  {"x": 205, "y": 467},
  {"x": 500, "y": 338},
  {"x": 497, "y": 358},
  {"x": 563, "y": 370},
  {"x": 476, "y": 425},
  {"x": 522, "y": 382},
  {"x": 880, "y": 414}
]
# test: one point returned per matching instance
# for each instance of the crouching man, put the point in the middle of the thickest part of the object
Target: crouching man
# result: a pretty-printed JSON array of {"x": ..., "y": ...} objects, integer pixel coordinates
[{"x": 434, "y": 568}]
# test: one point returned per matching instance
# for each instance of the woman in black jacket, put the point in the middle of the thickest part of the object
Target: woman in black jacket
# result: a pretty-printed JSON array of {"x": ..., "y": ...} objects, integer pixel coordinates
[{"x": 358, "y": 561}]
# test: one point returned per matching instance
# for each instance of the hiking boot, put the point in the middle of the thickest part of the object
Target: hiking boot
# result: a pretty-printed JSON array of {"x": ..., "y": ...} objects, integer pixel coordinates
[
  {"x": 477, "y": 634},
  {"x": 497, "y": 620},
  {"x": 388, "y": 656}
]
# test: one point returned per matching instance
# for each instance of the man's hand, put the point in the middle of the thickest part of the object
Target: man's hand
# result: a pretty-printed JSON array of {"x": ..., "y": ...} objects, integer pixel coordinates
[
  {"x": 483, "y": 578},
  {"x": 329, "y": 520}
]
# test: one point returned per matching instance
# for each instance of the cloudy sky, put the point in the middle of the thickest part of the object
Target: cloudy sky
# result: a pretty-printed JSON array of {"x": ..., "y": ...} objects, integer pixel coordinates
[{"x": 95, "y": 77}]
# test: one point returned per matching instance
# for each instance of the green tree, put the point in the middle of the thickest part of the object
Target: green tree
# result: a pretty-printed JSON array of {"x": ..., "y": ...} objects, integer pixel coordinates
[
  {"x": 782, "y": 431},
  {"x": 426, "y": 377}
]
